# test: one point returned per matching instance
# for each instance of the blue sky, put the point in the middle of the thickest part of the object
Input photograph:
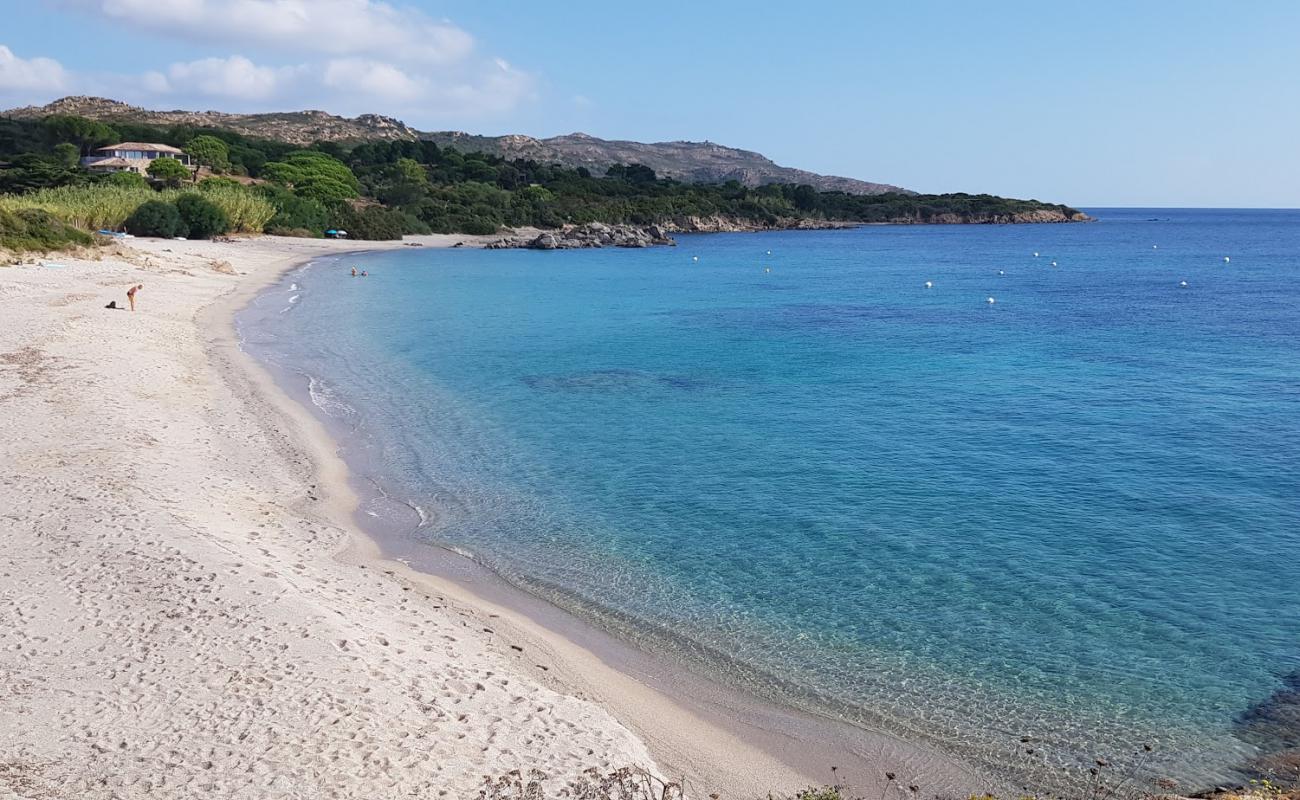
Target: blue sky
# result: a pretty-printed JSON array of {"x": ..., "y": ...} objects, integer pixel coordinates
[{"x": 1104, "y": 103}]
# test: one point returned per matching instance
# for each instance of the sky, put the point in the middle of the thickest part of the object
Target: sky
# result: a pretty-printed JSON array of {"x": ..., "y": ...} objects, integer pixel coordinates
[{"x": 1138, "y": 103}]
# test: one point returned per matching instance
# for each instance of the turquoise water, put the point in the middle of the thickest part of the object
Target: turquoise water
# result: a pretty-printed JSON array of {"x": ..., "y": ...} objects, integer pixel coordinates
[{"x": 1072, "y": 514}]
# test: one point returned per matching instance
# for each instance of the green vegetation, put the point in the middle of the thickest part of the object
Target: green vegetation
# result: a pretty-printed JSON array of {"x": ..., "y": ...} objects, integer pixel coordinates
[
  {"x": 130, "y": 180},
  {"x": 168, "y": 170},
  {"x": 107, "y": 205},
  {"x": 34, "y": 229},
  {"x": 382, "y": 190},
  {"x": 246, "y": 211},
  {"x": 211, "y": 152},
  {"x": 313, "y": 175},
  {"x": 90, "y": 207},
  {"x": 202, "y": 218},
  {"x": 156, "y": 218}
]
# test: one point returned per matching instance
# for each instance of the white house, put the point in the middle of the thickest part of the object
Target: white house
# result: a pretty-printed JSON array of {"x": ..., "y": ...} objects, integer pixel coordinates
[{"x": 131, "y": 157}]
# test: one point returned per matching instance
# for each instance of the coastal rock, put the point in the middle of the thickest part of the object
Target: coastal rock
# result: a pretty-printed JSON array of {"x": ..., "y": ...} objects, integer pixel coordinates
[
  {"x": 1273, "y": 725},
  {"x": 594, "y": 234}
]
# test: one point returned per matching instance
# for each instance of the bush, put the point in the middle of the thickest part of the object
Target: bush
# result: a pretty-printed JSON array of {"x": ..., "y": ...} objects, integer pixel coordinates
[
  {"x": 202, "y": 218},
  {"x": 246, "y": 211},
  {"x": 373, "y": 222},
  {"x": 34, "y": 229},
  {"x": 156, "y": 218},
  {"x": 296, "y": 233},
  {"x": 293, "y": 212},
  {"x": 129, "y": 180},
  {"x": 478, "y": 226},
  {"x": 217, "y": 182}
]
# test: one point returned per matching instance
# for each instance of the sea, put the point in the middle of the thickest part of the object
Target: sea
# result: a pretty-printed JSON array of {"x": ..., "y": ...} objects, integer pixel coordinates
[{"x": 1027, "y": 494}]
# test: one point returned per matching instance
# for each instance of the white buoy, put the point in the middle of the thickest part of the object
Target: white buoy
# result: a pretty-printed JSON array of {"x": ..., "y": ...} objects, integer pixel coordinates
[
  {"x": 991, "y": 301},
  {"x": 1000, "y": 272},
  {"x": 1155, "y": 247},
  {"x": 769, "y": 252},
  {"x": 695, "y": 258},
  {"x": 767, "y": 269},
  {"x": 1182, "y": 284},
  {"x": 1035, "y": 254},
  {"x": 1053, "y": 263},
  {"x": 929, "y": 285},
  {"x": 1226, "y": 259}
]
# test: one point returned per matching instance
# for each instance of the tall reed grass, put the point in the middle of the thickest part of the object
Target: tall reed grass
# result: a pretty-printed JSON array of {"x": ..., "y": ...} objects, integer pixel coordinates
[
  {"x": 88, "y": 207},
  {"x": 248, "y": 212},
  {"x": 104, "y": 206}
]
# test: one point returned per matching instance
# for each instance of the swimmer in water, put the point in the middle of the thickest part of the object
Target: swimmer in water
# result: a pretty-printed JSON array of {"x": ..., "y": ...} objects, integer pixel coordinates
[{"x": 354, "y": 272}]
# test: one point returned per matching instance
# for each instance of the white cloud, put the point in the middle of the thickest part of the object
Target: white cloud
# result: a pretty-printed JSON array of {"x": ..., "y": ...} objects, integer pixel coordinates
[
  {"x": 31, "y": 74},
  {"x": 330, "y": 27},
  {"x": 235, "y": 78},
  {"x": 345, "y": 56},
  {"x": 372, "y": 78},
  {"x": 495, "y": 89}
]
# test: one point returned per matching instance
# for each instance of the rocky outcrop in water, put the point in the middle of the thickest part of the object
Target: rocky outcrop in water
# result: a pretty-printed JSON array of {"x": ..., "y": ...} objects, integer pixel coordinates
[
  {"x": 595, "y": 234},
  {"x": 722, "y": 224},
  {"x": 1273, "y": 725}
]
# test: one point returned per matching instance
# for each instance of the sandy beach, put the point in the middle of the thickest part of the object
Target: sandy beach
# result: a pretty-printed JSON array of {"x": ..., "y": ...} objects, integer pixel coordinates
[{"x": 188, "y": 609}]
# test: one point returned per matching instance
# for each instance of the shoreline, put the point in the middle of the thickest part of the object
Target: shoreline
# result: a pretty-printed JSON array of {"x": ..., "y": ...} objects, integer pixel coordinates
[
  {"x": 711, "y": 723},
  {"x": 193, "y": 610},
  {"x": 182, "y": 615},
  {"x": 567, "y": 664}
]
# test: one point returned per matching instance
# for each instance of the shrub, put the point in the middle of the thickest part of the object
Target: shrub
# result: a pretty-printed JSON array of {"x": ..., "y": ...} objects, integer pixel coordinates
[
  {"x": 156, "y": 218},
  {"x": 293, "y": 212},
  {"x": 129, "y": 180},
  {"x": 373, "y": 222},
  {"x": 202, "y": 218},
  {"x": 246, "y": 211},
  {"x": 297, "y": 233},
  {"x": 216, "y": 182},
  {"x": 476, "y": 226},
  {"x": 34, "y": 229}
]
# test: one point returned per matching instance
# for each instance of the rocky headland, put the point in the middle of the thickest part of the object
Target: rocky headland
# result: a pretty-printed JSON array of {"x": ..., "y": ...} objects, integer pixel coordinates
[{"x": 599, "y": 234}]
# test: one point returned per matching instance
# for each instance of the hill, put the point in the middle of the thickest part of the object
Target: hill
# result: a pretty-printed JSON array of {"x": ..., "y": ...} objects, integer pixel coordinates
[
  {"x": 294, "y": 127},
  {"x": 689, "y": 162}
]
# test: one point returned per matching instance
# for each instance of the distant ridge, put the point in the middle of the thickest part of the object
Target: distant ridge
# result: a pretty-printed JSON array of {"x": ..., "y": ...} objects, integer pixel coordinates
[{"x": 689, "y": 162}]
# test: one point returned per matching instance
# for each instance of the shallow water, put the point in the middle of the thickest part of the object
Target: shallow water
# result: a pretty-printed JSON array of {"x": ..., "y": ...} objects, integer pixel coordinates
[{"x": 1071, "y": 515}]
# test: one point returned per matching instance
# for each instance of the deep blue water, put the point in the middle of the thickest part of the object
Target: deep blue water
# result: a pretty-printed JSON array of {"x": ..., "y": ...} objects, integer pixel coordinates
[{"x": 1072, "y": 514}]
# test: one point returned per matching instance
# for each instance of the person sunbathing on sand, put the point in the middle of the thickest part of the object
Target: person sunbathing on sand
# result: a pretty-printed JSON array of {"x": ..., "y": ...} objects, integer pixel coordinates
[{"x": 130, "y": 294}]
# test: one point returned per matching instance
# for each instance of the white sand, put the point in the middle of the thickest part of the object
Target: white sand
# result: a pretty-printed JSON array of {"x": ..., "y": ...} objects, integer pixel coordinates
[{"x": 185, "y": 610}]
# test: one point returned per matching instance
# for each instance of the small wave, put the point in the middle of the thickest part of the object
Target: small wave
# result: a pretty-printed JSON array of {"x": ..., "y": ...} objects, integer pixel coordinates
[
  {"x": 326, "y": 400},
  {"x": 419, "y": 512},
  {"x": 293, "y": 287},
  {"x": 460, "y": 551},
  {"x": 294, "y": 299}
]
